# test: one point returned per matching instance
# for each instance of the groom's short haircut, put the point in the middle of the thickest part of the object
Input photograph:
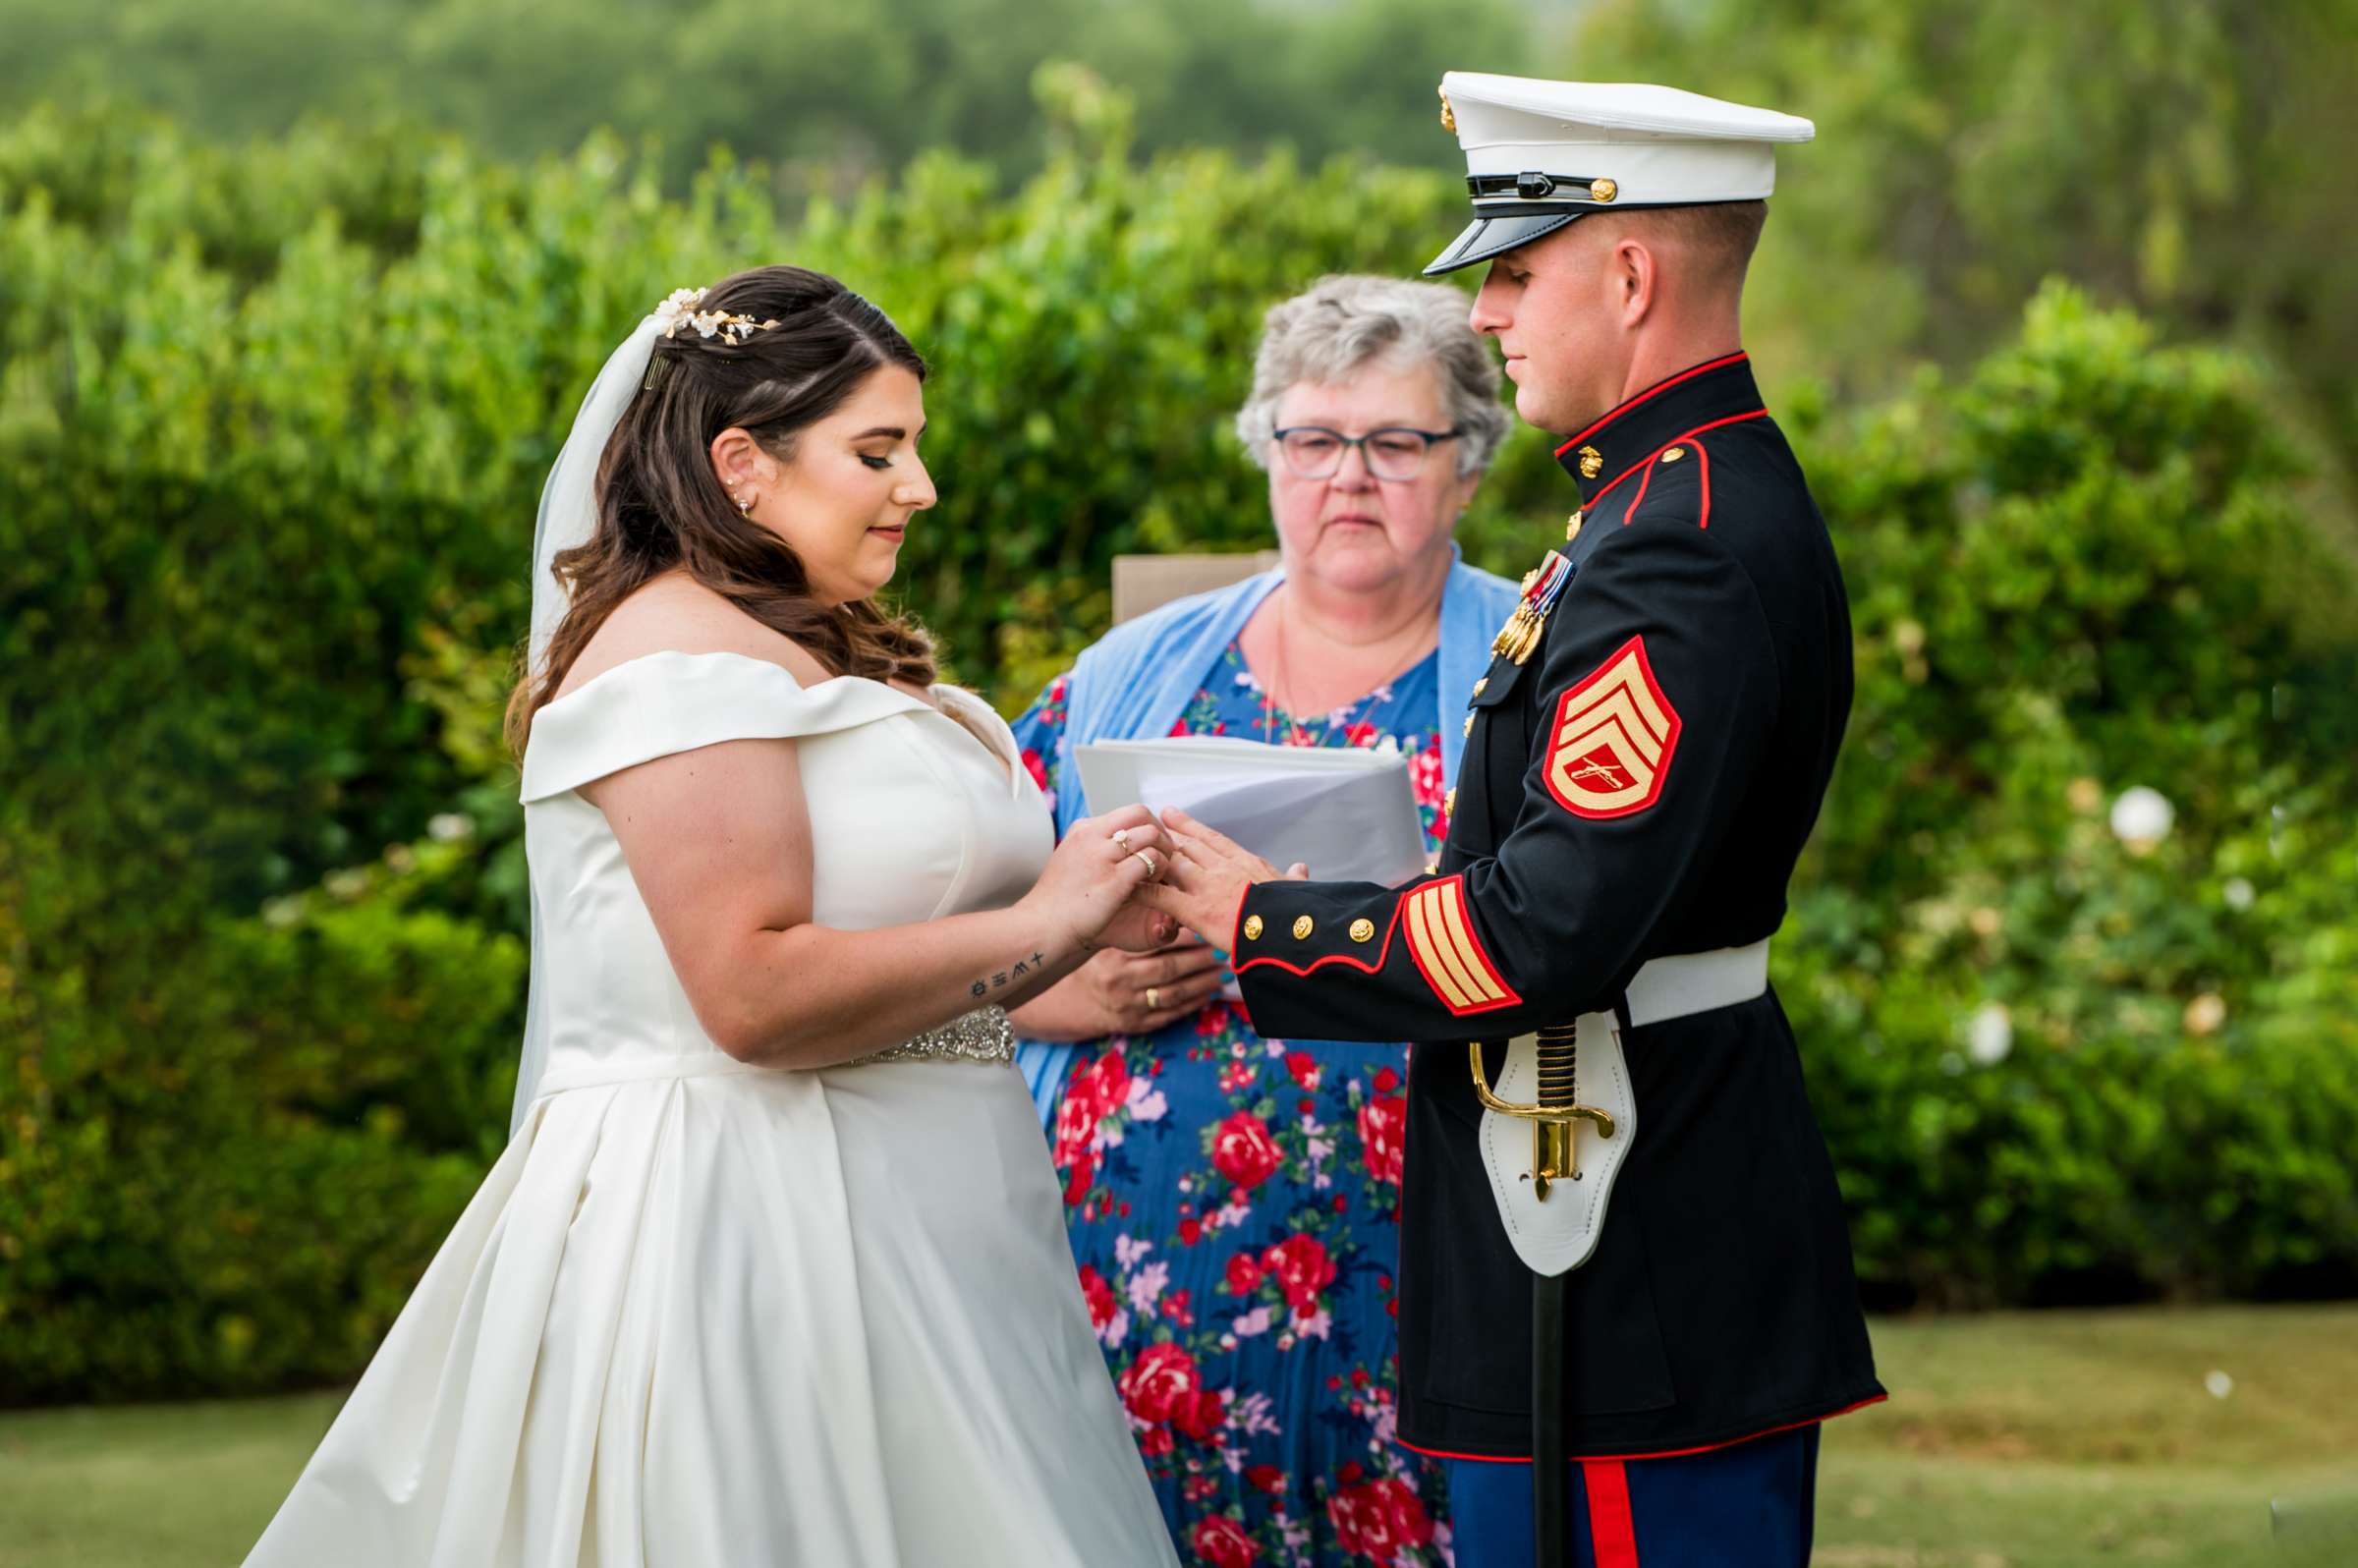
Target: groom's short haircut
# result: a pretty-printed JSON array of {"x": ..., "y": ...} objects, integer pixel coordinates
[{"x": 1720, "y": 237}]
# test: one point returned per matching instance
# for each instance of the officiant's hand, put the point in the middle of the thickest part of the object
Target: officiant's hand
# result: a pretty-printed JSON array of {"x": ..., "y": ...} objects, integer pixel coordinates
[
  {"x": 1124, "y": 994},
  {"x": 1207, "y": 877}
]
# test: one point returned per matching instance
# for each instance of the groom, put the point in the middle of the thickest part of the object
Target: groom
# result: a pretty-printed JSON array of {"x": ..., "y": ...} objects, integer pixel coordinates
[{"x": 1645, "y": 756}]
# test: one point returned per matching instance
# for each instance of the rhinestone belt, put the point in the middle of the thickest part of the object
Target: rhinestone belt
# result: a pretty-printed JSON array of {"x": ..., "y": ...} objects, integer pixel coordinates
[{"x": 981, "y": 1035}]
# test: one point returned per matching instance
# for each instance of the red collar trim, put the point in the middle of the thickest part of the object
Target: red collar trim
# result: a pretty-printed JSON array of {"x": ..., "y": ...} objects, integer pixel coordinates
[
  {"x": 1686, "y": 435},
  {"x": 1654, "y": 391}
]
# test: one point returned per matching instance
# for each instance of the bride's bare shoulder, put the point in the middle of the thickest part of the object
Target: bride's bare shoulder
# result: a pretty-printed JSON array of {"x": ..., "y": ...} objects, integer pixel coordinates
[{"x": 676, "y": 614}]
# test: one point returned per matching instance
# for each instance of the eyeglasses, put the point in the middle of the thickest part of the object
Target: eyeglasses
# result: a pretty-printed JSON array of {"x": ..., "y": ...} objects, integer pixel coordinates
[{"x": 1395, "y": 453}]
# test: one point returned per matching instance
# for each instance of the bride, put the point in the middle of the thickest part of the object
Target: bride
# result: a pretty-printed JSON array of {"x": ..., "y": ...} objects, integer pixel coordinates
[{"x": 773, "y": 1270}]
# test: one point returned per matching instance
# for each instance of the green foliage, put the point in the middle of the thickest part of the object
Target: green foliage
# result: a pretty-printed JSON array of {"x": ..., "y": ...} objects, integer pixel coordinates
[
  {"x": 848, "y": 89},
  {"x": 2083, "y": 569},
  {"x": 272, "y": 422}
]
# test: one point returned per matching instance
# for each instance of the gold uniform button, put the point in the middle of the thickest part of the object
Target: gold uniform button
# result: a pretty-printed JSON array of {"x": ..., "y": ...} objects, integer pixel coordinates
[
  {"x": 1449, "y": 801},
  {"x": 1363, "y": 930},
  {"x": 1252, "y": 927},
  {"x": 1481, "y": 685},
  {"x": 1302, "y": 927},
  {"x": 1603, "y": 190},
  {"x": 1572, "y": 527},
  {"x": 1469, "y": 726},
  {"x": 1674, "y": 454}
]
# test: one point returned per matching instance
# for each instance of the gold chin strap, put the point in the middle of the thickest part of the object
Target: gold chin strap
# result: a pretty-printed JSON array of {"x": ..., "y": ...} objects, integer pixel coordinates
[{"x": 1553, "y": 1152}]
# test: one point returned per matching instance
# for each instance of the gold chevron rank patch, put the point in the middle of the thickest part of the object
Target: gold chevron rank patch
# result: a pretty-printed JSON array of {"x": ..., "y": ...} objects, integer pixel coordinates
[
  {"x": 1442, "y": 939},
  {"x": 1614, "y": 736}
]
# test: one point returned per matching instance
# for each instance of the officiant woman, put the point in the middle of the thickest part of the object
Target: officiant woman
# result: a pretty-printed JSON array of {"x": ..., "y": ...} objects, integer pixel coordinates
[{"x": 1233, "y": 1200}]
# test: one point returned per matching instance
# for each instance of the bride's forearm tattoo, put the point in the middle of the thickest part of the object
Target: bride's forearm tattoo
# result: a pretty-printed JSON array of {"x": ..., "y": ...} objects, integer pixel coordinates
[{"x": 999, "y": 979}]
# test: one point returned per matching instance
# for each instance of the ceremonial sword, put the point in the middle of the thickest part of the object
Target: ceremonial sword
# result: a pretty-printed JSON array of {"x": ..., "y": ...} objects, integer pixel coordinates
[{"x": 1554, "y": 1230}]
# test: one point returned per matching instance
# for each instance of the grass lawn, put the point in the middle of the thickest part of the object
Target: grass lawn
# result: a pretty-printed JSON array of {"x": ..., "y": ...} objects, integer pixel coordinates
[{"x": 2015, "y": 1440}]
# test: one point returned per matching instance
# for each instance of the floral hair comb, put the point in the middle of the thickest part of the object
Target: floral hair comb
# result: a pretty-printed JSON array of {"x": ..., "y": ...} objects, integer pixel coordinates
[{"x": 678, "y": 310}]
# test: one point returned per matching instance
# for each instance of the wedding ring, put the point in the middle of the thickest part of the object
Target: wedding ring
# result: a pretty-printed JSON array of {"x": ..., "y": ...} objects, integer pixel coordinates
[
  {"x": 1153, "y": 999},
  {"x": 1121, "y": 836},
  {"x": 1147, "y": 858}
]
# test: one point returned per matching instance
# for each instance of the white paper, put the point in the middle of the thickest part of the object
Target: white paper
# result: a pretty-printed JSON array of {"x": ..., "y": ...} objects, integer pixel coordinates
[{"x": 1347, "y": 813}]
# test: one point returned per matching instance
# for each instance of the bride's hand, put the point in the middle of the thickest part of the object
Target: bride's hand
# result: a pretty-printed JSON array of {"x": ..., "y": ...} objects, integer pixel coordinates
[
  {"x": 1084, "y": 891},
  {"x": 1206, "y": 884}
]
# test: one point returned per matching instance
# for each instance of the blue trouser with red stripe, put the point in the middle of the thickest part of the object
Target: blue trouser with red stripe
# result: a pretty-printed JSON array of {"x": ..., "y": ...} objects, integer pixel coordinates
[{"x": 1748, "y": 1506}]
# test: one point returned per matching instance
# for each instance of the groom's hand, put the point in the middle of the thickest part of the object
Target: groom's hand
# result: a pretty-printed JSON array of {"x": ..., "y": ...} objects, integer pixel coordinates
[{"x": 1207, "y": 879}]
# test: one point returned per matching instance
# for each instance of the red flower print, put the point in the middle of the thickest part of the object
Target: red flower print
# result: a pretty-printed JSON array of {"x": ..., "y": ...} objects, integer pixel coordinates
[
  {"x": 1164, "y": 1379},
  {"x": 1301, "y": 1270},
  {"x": 1098, "y": 1293},
  {"x": 1083, "y": 1176},
  {"x": 1200, "y": 1415},
  {"x": 1244, "y": 1273},
  {"x": 1155, "y": 1443},
  {"x": 1381, "y": 1123},
  {"x": 1076, "y": 1123},
  {"x": 1222, "y": 1543},
  {"x": 1265, "y": 1478},
  {"x": 1110, "y": 1085},
  {"x": 1191, "y": 1231},
  {"x": 1243, "y": 1152},
  {"x": 1213, "y": 1020},
  {"x": 1304, "y": 1067},
  {"x": 1360, "y": 733},
  {"x": 1057, "y": 688},
  {"x": 1424, "y": 778},
  {"x": 1380, "y": 1518},
  {"x": 1386, "y": 1081},
  {"x": 1179, "y": 726},
  {"x": 1038, "y": 768}
]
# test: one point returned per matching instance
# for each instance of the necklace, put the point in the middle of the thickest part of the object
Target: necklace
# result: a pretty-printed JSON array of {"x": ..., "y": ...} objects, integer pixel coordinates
[{"x": 1349, "y": 716}]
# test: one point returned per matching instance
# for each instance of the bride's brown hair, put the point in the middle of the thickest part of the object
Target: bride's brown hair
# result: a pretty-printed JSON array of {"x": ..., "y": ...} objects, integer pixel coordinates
[{"x": 660, "y": 507}]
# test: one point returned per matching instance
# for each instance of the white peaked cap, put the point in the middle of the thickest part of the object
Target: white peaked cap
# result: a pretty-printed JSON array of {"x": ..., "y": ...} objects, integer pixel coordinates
[{"x": 1541, "y": 154}]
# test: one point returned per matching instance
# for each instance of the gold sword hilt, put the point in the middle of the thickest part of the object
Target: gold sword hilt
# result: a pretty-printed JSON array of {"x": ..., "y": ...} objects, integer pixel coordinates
[{"x": 1554, "y": 1116}]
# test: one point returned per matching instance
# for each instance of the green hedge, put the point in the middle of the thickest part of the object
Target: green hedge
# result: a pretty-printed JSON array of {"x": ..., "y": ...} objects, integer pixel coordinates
[
  {"x": 2088, "y": 567},
  {"x": 272, "y": 422}
]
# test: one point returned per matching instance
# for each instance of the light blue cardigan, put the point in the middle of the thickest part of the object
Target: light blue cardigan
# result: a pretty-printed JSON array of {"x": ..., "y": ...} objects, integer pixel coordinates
[{"x": 1135, "y": 681}]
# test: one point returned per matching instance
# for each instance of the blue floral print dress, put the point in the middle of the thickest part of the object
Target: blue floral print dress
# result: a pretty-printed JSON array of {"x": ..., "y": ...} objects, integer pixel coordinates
[{"x": 1233, "y": 1203}]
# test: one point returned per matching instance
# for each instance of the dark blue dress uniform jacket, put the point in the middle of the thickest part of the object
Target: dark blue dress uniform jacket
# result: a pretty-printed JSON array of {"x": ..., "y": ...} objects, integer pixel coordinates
[{"x": 1639, "y": 787}]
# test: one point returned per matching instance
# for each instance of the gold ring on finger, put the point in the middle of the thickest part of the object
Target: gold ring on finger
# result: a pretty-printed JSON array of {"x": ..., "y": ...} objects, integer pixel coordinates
[
  {"x": 1121, "y": 836},
  {"x": 1153, "y": 999},
  {"x": 1147, "y": 858}
]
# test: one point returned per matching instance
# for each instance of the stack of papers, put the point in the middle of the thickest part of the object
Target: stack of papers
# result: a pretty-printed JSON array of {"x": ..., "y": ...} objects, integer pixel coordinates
[{"x": 1349, "y": 814}]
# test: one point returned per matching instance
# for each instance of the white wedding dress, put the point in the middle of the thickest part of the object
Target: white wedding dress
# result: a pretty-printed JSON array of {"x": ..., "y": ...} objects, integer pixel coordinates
[{"x": 702, "y": 1315}]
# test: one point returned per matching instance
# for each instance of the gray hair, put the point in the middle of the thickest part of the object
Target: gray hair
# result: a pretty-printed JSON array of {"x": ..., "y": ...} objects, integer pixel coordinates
[{"x": 1343, "y": 324}]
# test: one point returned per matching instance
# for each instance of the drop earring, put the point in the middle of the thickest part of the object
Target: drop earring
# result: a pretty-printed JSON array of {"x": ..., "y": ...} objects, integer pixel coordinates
[{"x": 745, "y": 504}]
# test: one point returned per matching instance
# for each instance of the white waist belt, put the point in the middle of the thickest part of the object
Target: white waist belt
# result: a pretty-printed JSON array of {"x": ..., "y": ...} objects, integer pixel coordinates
[
  {"x": 1560, "y": 1231},
  {"x": 1697, "y": 982}
]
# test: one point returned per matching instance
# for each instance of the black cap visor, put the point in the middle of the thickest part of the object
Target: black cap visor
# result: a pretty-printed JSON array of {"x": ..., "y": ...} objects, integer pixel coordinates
[{"x": 1486, "y": 238}]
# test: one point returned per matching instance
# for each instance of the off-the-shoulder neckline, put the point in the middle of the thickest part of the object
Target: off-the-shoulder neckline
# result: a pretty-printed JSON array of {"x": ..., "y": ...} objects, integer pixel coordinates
[
  {"x": 999, "y": 754},
  {"x": 715, "y": 653}
]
